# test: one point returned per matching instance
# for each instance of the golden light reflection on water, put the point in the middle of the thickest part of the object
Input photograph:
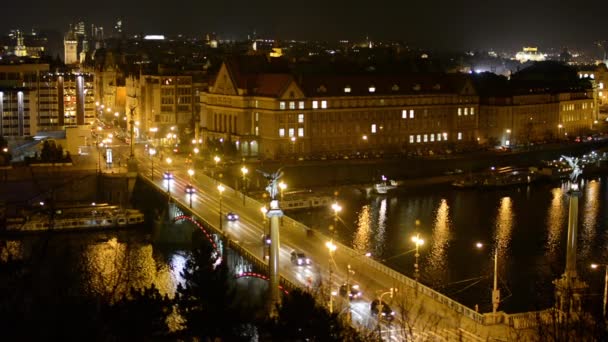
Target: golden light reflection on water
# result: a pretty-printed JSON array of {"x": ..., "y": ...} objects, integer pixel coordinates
[
  {"x": 381, "y": 231},
  {"x": 362, "y": 239},
  {"x": 590, "y": 214},
  {"x": 113, "y": 268},
  {"x": 504, "y": 226},
  {"x": 555, "y": 219},
  {"x": 441, "y": 236}
]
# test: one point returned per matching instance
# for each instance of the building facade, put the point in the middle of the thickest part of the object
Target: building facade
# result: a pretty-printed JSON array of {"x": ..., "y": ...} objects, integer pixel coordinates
[
  {"x": 55, "y": 100},
  {"x": 16, "y": 119}
]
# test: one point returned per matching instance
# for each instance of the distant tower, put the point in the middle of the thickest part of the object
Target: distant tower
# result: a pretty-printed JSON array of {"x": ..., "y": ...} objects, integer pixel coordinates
[
  {"x": 85, "y": 49},
  {"x": 70, "y": 46},
  {"x": 20, "y": 49}
]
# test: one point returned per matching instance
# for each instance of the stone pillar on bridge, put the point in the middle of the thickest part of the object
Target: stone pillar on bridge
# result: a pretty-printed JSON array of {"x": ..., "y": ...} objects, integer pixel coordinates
[
  {"x": 569, "y": 289},
  {"x": 275, "y": 213}
]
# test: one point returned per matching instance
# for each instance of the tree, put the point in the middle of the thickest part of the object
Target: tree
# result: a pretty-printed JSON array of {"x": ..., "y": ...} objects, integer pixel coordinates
[{"x": 207, "y": 296}]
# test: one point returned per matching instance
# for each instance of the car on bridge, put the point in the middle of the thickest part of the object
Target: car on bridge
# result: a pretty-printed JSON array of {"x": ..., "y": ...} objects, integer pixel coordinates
[
  {"x": 352, "y": 291},
  {"x": 167, "y": 175},
  {"x": 300, "y": 259},
  {"x": 386, "y": 314},
  {"x": 232, "y": 216}
]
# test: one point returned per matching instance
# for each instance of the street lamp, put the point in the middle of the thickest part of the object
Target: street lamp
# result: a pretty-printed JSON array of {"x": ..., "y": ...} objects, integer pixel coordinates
[
  {"x": 282, "y": 187},
  {"x": 293, "y": 145},
  {"x": 495, "y": 290},
  {"x": 152, "y": 152},
  {"x": 594, "y": 266},
  {"x": 508, "y": 141},
  {"x": 336, "y": 208},
  {"x": 220, "y": 189},
  {"x": 559, "y": 130},
  {"x": 190, "y": 191},
  {"x": 331, "y": 247},
  {"x": 418, "y": 241},
  {"x": 216, "y": 159},
  {"x": 244, "y": 171},
  {"x": 169, "y": 161},
  {"x": 190, "y": 173}
]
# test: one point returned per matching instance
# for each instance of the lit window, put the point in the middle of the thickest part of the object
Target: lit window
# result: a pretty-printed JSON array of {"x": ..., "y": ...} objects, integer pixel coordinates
[
  {"x": 404, "y": 114},
  {"x": 438, "y": 137},
  {"x": 257, "y": 116},
  {"x": 411, "y": 113},
  {"x": 426, "y": 137},
  {"x": 323, "y": 104},
  {"x": 372, "y": 89},
  {"x": 347, "y": 89},
  {"x": 292, "y": 105},
  {"x": 256, "y": 103},
  {"x": 315, "y": 104},
  {"x": 281, "y": 132},
  {"x": 459, "y": 135},
  {"x": 601, "y": 93},
  {"x": 373, "y": 128},
  {"x": 411, "y": 139},
  {"x": 472, "y": 110},
  {"x": 601, "y": 85},
  {"x": 257, "y": 130},
  {"x": 459, "y": 111},
  {"x": 586, "y": 75},
  {"x": 592, "y": 76},
  {"x": 445, "y": 136},
  {"x": 301, "y": 105},
  {"x": 291, "y": 132},
  {"x": 300, "y": 132},
  {"x": 466, "y": 111},
  {"x": 418, "y": 138},
  {"x": 432, "y": 137},
  {"x": 282, "y": 105},
  {"x": 300, "y": 118}
]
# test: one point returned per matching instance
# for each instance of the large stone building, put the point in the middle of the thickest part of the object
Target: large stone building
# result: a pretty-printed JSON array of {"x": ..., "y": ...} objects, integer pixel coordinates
[
  {"x": 273, "y": 114},
  {"x": 160, "y": 102},
  {"x": 51, "y": 100}
]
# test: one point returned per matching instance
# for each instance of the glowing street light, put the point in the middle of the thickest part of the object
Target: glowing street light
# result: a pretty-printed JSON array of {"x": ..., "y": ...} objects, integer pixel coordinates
[
  {"x": 152, "y": 152},
  {"x": 418, "y": 241},
  {"x": 244, "y": 171},
  {"x": 220, "y": 189},
  {"x": 190, "y": 173},
  {"x": 495, "y": 290},
  {"x": 331, "y": 247},
  {"x": 595, "y": 266},
  {"x": 282, "y": 187}
]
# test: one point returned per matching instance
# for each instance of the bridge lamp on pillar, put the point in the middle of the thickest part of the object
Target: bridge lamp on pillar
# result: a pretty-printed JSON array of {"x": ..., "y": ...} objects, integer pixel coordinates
[
  {"x": 331, "y": 247},
  {"x": 244, "y": 171},
  {"x": 220, "y": 189},
  {"x": 190, "y": 191},
  {"x": 595, "y": 266},
  {"x": 152, "y": 152},
  {"x": 190, "y": 173},
  {"x": 336, "y": 209},
  {"x": 495, "y": 290},
  {"x": 418, "y": 241}
]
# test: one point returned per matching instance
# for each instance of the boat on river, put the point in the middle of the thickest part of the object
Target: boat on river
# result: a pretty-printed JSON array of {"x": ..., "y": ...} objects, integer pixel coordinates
[
  {"x": 383, "y": 187},
  {"x": 91, "y": 218}
]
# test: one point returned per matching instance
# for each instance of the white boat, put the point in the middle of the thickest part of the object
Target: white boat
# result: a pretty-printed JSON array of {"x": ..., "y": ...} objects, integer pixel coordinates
[
  {"x": 92, "y": 218},
  {"x": 384, "y": 186},
  {"x": 306, "y": 202}
]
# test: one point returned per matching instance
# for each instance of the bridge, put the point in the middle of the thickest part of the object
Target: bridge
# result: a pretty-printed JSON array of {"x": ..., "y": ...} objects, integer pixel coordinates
[{"x": 421, "y": 312}]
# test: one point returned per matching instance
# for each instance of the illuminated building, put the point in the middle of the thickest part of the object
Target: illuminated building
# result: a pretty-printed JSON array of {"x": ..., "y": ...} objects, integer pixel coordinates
[
  {"x": 598, "y": 76},
  {"x": 70, "y": 45},
  {"x": 54, "y": 100},
  {"x": 16, "y": 112},
  {"x": 529, "y": 54}
]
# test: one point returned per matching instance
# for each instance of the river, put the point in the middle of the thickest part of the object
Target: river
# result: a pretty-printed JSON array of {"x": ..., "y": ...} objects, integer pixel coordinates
[{"x": 528, "y": 225}]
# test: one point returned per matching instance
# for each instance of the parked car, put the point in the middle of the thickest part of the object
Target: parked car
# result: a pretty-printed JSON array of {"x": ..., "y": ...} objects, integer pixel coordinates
[
  {"x": 232, "y": 216},
  {"x": 299, "y": 258},
  {"x": 386, "y": 313}
]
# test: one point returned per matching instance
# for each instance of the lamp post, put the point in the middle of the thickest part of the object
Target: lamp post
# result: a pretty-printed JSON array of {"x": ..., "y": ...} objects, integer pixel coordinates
[
  {"x": 495, "y": 290},
  {"x": 152, "y": 152},
  {"x": 390, "y": 292},
  {"x": 169, "y": 161},
  {"x": 216, "y": 159},
  {"x": 336, "y": 208},
  {"x": 594, "y": 266},
  {"x": 190, "y": 173},
  {"x": 508, "y": 141},
  {"x": 293, "y": 145},
  {"x": 190, "y": 191},
  {"x": 418, "y": 241},
  {"x": 282, "y": 187},
  {"x": 220, "y": 189},
  {"x": 331, "y": 247},
  {"x": 244, "y": 171},
  {"x": 559, "y": 131}
]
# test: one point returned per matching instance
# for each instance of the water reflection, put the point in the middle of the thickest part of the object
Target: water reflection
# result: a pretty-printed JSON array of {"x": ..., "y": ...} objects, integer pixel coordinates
[
  {"x": 362, "y": 238},
  {"x": 590, "y": 213},
  {"x": 555, "y": 221},
  {"x": 504, "y": 227},
  {"x": 437, "y": 259}
]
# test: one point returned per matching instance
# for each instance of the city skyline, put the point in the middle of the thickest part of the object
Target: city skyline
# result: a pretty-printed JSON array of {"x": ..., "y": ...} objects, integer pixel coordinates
[{"x": 441, "y": 25}]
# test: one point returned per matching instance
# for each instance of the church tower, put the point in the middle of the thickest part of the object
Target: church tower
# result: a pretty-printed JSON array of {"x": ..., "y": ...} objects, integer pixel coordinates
[
  {"x": 70, "y": 45},
  {"x": 20, "y": 49}
]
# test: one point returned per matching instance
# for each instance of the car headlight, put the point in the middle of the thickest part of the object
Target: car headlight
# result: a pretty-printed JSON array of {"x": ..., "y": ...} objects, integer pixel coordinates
[
  {"x": 393, "y": 313},
  {"x": 308, "y": 261},
  {"x": 299, "y": 262}
]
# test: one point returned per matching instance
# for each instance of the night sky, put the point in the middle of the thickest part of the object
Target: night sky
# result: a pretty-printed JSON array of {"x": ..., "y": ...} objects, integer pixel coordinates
[{"x": 426, "y": 23}]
